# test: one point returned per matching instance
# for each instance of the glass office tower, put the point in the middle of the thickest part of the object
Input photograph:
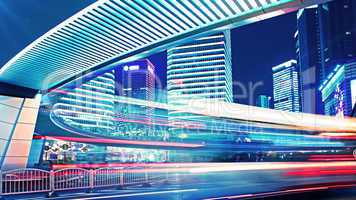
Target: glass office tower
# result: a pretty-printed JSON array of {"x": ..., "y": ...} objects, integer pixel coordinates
[
  {"x": 135, "y": 80},
  {"x": 198, "y": 70},
  {"x": 325, "y": 37},
  {"x": 308, "y": 56},
  {"x": 286, "y": 87}
]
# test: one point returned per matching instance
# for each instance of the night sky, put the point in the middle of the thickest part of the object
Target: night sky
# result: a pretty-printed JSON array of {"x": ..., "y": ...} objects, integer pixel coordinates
[
  {"x": 256, "y": 48},
  {"x": 23, "y": 21}
]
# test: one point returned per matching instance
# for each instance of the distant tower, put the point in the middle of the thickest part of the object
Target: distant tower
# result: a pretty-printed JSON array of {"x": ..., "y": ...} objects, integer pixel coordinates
[
  {"x": 201, "y": 69},
  {"x": 136, "y": 80},
  {"x": 263, "y": 101},
  {"x": 286, "y": 87}
]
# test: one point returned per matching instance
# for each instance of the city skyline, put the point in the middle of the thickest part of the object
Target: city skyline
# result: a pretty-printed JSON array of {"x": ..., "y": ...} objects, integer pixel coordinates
[{"x": 166, "y": 99}]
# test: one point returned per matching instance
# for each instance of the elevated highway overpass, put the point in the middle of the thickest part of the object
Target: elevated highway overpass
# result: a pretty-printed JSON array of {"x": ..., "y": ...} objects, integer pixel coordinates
[{"x": 116, "y": 31}]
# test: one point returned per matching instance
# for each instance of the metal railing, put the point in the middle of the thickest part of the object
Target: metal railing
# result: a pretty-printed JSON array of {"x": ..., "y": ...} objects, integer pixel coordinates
[
  {"x": 22, "y": 181},
  {"x": 106, "y": 177},
  {"x": 71, "y": 178}
]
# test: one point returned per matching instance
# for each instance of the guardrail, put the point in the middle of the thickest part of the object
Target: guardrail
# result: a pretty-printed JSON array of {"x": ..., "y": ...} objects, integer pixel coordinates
[{"x": 22, "y": 181}]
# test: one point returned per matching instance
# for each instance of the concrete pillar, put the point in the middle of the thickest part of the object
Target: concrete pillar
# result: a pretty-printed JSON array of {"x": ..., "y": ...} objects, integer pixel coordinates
[{"x": 17, "y": 123}]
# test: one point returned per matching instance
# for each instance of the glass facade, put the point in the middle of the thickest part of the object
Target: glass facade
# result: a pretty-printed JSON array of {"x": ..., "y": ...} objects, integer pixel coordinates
[
  {"x": 308, "y": 57},
  {"x": 199, "y": 70},
  {"x": 339, "y": 90},
  {"x": 135, "y": 80},
  {"x": 264, "y": 101},
  {"x": 286, "y": 87},
  {"x": 325, "y": 37}
]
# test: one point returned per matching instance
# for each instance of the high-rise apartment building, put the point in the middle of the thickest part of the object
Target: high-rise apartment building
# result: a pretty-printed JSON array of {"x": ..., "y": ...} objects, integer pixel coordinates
[{"x": 286, "y": 86}]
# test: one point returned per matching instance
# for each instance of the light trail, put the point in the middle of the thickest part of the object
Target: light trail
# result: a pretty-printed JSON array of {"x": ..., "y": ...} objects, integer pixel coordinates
[
  {"x": 137, "y": 194},
  {"x": 331, "y": 157},
  {"x": 118, "y": 141},
  {"x": 291, "y": 120},
  {"x": 223, "y": 167},
  {"x": 283, "y": 192},
  {"x": 259, "y": 117},
  {"x": 269, "y": 166}
]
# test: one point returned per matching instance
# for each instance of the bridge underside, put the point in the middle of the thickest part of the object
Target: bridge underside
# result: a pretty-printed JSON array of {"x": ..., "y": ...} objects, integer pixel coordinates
[{"x": 109, "y": 32}]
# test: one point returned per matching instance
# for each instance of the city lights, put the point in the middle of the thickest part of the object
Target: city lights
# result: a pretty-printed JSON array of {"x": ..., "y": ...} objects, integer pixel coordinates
[{"x": 187, "y": 99}]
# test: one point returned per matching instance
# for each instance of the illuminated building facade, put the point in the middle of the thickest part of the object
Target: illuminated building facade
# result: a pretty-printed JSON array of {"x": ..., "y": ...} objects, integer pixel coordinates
[
  {"x": 286, "y": 87},
  {"x": 135, "y": 80},
  {"x": 263, "y": 101},
  {"x": 309, "y": 59},
  {"x": 198, "y": 70},
  {"x": 89, "y": 106},
  {"x": 339, "y": 90},
  {"x": 338, "y": 33},
  {"x": 325, "y": 37}
]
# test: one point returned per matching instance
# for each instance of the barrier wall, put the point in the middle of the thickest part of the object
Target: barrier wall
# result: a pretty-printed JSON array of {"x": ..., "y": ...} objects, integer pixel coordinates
[{"x": 17, "y": 123}]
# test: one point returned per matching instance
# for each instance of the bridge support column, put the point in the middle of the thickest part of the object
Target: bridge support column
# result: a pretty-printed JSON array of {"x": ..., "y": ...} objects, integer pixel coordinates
[{"x": 17, "y": 123}]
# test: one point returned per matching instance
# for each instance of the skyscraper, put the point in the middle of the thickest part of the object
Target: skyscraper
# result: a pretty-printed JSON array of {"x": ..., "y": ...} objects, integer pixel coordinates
[
  {"x": 263, "y": 101},
  {"x": 339, "y": 90},
  {"x": 200, "y": 69},
  {"x": 286, "y": 86},
  {"x": 326, "y": 36},
  {"x": 135, "y": 80},
  {"x": 309, "y": 59},
  {"x": 338, "y": 33}
]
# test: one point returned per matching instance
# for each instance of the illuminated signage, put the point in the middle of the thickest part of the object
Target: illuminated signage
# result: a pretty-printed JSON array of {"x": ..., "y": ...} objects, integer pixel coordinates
[
  {"x": 353, "y": 91},
  {"x": 131, "y": 68}
]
